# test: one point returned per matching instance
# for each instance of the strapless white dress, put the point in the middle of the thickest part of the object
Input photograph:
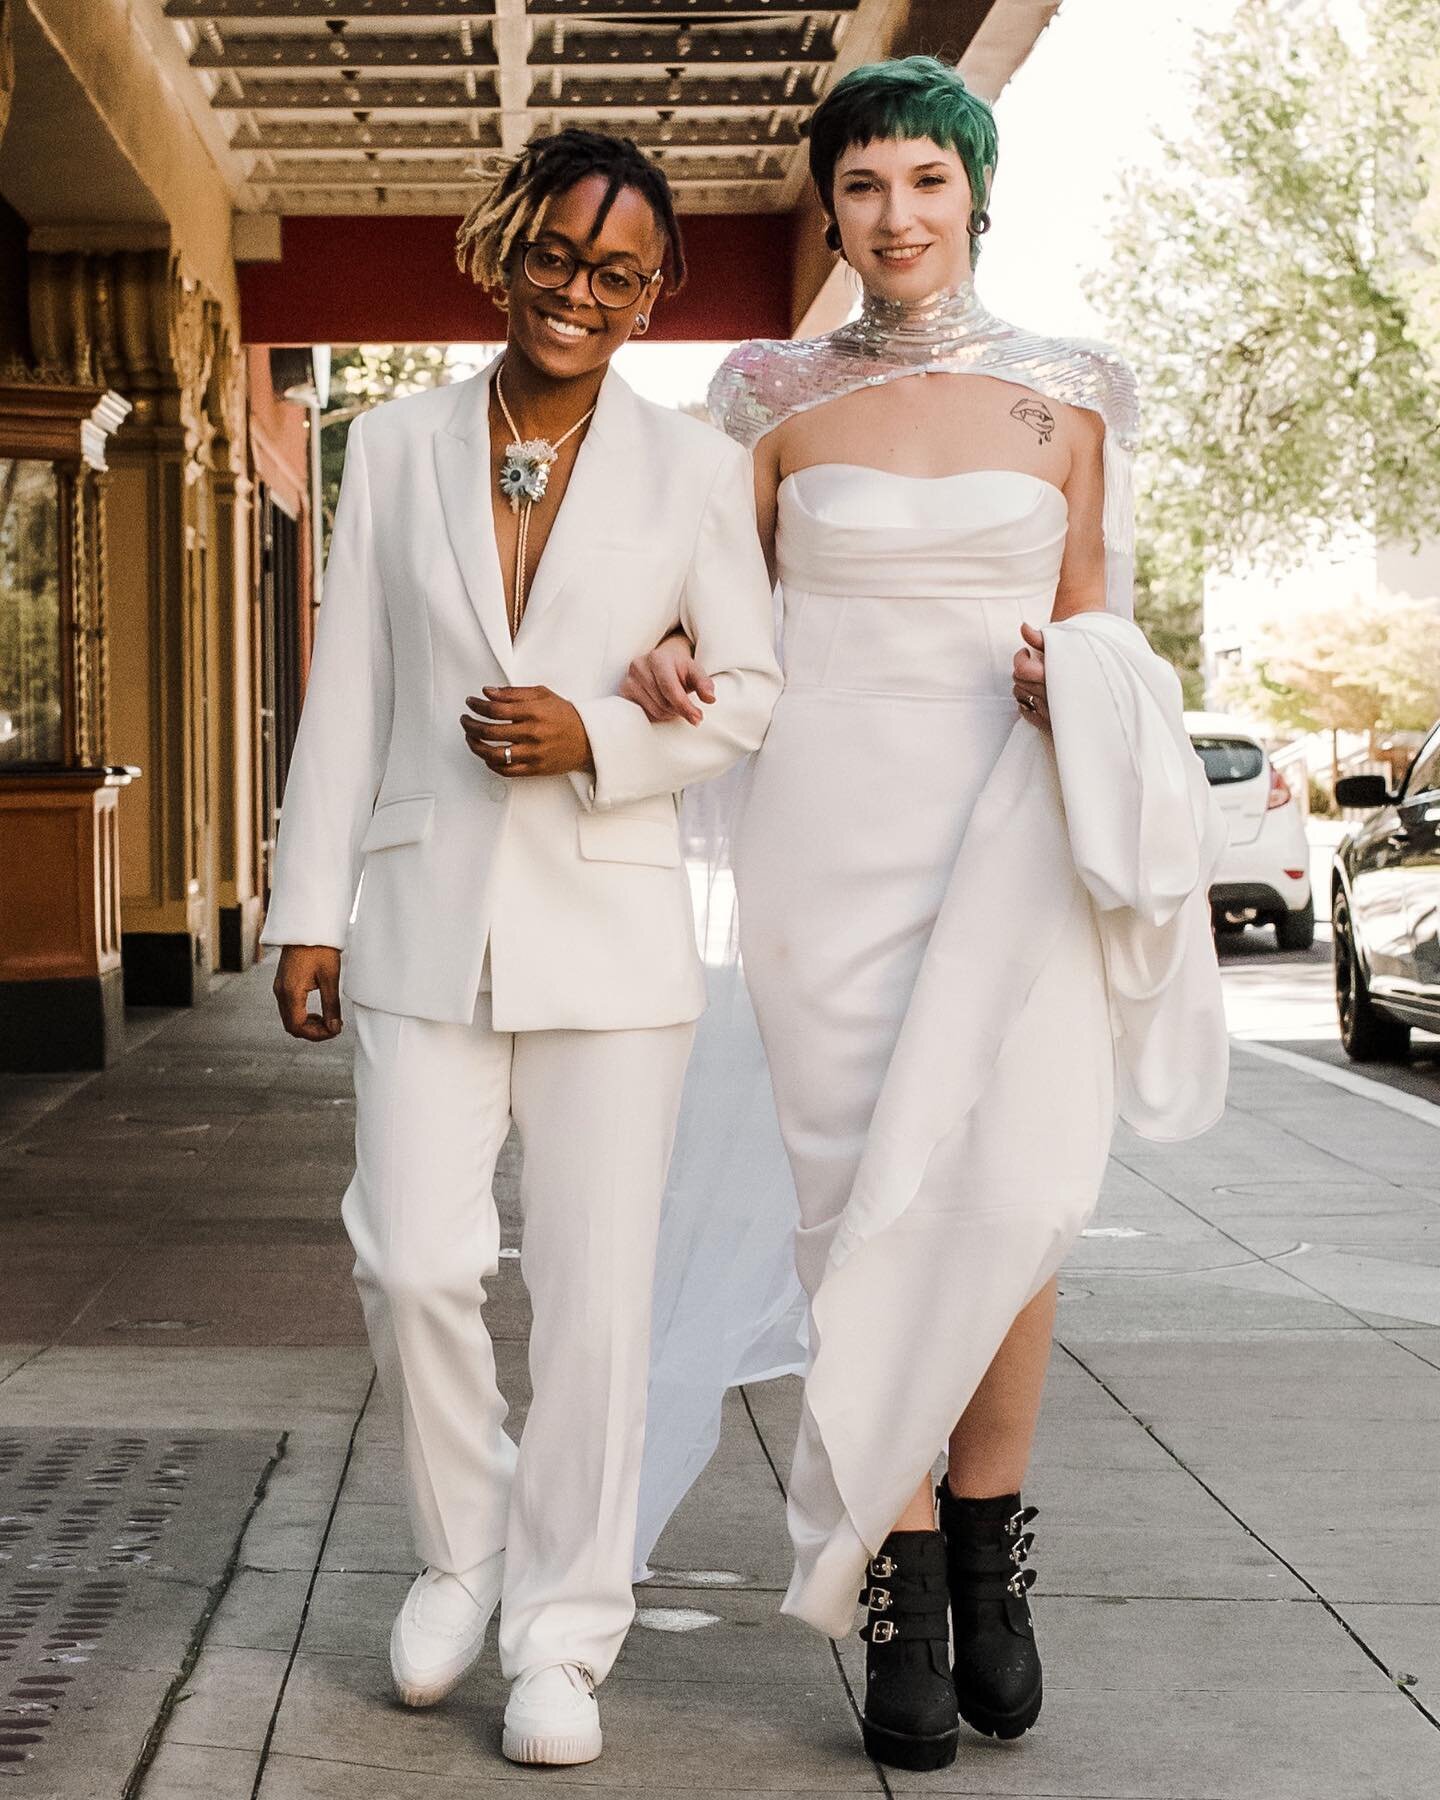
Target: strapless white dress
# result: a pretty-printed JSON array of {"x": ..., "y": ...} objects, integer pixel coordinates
[{"x": 903, "y": 600}]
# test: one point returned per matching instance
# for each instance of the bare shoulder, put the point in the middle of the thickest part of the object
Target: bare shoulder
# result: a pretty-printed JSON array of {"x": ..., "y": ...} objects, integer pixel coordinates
[{"x": 1083, "y": 428}]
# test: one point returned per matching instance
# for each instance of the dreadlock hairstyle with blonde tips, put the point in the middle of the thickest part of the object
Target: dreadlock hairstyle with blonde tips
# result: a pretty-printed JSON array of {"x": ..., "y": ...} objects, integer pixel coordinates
[{"x": 512, "y": 203}]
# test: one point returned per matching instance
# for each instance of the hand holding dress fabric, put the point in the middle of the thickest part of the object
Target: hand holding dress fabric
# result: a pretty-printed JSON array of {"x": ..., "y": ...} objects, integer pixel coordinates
[{"x": 1030, "y": 675}]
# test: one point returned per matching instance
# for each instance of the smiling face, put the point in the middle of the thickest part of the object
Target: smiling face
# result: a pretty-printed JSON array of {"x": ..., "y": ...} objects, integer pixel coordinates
[
  {"x": 904, "y": 210},
  {"x": 564, "y": 332}
]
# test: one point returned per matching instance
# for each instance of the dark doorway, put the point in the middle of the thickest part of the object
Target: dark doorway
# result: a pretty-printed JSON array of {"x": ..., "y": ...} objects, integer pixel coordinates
[{"x": 280, "y": 640}]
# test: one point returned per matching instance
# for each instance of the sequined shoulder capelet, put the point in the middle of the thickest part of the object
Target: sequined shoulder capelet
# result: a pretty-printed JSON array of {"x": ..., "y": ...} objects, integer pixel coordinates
[{"x": 769, "y": 380}]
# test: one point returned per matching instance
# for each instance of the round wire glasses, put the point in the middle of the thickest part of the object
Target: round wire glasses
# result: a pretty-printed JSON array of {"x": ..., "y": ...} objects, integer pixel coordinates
[{"x": 612, "y": 284}]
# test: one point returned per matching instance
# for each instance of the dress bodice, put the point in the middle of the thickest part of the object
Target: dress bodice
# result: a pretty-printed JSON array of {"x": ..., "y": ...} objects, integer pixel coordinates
[{"x": 971, "y": 555}]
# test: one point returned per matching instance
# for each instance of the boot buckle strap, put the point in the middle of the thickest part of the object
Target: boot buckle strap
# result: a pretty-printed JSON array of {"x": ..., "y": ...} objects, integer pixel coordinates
[
  {"x": 879, "y": 1599},
  {"x": 883, "y": 1566},
  {"x": 881, "y": 1631}
]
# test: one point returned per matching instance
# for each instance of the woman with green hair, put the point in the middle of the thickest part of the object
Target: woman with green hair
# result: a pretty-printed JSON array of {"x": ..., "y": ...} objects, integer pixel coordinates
[{"x": 973, "y": 915}]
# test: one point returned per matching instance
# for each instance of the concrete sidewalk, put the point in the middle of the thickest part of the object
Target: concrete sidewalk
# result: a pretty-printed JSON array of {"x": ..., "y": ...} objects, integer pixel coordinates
[{"x": 1239, "y": 1593}]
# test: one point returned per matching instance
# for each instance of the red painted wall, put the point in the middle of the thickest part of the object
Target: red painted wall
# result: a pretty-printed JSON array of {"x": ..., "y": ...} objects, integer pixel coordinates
[
  {"x": 280, "y": 457},
  {"x": 279, "y": 441},
  {"x": 388, "y": 280}
]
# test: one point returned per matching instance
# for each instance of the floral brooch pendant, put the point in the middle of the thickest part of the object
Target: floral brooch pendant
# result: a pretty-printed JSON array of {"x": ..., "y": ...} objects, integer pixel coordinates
[{"x": 525, "y": 472}]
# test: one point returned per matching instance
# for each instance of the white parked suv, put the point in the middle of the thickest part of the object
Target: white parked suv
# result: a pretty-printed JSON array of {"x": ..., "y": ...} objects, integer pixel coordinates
[{"x": 1264, "y": 873}]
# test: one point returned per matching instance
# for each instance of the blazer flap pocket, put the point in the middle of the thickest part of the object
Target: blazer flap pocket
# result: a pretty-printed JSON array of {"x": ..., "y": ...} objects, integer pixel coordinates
[
  {"x": 608, "y": 839},
  {"x": 403, "y": 821}
]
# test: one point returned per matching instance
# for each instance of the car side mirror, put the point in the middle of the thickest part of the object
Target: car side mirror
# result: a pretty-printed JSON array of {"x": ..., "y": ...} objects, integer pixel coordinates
[{"x": 1362, "y": 790}]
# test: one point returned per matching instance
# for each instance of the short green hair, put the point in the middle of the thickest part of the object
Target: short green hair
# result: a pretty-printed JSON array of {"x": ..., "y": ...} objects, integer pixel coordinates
[{"x": 909, "y": 97}]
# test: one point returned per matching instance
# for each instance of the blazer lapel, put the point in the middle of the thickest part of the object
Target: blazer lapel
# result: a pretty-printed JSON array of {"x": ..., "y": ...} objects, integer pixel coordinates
[
  {"x": 462, "y": 470},
  {"x": 591, "y": 504}
]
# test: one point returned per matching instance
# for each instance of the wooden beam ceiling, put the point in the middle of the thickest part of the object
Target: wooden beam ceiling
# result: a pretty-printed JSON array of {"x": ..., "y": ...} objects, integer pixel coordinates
[{"x": 385, "y": 105}]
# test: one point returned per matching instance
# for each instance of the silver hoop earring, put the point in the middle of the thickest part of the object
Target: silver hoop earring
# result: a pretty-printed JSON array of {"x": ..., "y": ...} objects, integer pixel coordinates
[{"x": 642, "y": 324}]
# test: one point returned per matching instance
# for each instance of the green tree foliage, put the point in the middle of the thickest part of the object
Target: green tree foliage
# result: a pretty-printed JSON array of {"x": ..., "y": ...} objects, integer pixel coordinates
[
  {"x": 1263, "y": 279},
  {"x": 1369, "y": 665},
  {"x": 1168, "y": 608},
  {"x": 361, "y": 377},
  {"x": 1421, "y": 283}
]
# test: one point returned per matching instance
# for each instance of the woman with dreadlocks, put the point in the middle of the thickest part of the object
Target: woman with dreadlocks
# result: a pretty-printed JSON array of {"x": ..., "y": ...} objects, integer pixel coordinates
[
  {"x": 522, "y": 946},
  {"x": 971, "y": 873}
]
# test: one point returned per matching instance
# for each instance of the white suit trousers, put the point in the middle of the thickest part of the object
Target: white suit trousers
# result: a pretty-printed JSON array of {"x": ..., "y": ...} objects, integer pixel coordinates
[{"x": 596, "y": 1114}]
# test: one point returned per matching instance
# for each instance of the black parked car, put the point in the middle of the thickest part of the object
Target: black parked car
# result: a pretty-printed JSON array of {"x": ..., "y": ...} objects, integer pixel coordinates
[{"x": 1386, "y": 908}]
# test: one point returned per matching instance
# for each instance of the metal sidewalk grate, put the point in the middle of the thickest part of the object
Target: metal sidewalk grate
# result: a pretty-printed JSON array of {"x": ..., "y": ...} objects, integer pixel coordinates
[{"x": 109, "y": 1542}]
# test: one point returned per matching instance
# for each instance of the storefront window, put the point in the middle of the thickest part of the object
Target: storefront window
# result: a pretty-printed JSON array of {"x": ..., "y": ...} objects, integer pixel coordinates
[{"x": 31, "y": 718}]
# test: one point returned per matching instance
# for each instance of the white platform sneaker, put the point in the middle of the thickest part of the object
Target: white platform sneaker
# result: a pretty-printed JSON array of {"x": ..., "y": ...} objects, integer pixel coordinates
[
  {"x": 552, "y": 1716},
  {"x": 440, "y": 1630}
]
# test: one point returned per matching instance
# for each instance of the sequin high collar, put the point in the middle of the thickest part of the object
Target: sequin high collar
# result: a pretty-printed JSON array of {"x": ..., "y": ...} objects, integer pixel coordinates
[{"x": 919, "y": 330}]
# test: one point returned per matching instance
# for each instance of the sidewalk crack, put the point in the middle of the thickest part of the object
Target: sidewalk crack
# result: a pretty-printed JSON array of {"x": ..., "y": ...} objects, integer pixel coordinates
[
  {"x": 1249, "y": 1530},
  {"x": 218, "y": 1590},
  {"x": 274, "y": 1719}
]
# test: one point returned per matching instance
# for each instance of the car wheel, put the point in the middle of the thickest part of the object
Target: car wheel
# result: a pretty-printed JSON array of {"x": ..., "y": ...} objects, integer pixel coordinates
[
  {"x": 1366, "y": 1033},
  {"x": 1296, "y": 930}
]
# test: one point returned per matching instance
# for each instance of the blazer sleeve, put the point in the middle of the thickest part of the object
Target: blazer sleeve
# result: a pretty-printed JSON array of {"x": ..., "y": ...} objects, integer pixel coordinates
[
  {"x": 344, "y": 733},
  {"x": 726, "y": 610}
]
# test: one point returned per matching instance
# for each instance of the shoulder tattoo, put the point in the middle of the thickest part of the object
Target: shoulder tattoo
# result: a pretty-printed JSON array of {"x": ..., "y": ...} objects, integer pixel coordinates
[{"x": 1037, "y": 415}]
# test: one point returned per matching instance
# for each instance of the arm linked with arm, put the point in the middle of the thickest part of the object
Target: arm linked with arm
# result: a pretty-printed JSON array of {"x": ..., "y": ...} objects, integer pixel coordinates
[{"x": 727, "y": 614}]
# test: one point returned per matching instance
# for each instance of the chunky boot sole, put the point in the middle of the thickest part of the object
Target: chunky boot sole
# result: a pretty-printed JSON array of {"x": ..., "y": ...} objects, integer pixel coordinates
[
  {"x": 986, "y": 1551},
  {"x": 908, "y": 1718},
  {"x": 1002, "y": 1725},
  {"x": 898, "y": 1750}
]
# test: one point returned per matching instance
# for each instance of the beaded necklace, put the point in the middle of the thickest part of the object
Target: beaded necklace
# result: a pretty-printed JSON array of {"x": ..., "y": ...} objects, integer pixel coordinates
[{"x": 524, "y": 477}]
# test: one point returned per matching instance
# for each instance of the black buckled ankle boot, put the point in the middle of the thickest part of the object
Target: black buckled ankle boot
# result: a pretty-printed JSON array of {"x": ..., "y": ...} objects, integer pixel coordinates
[
  {"x": 909, "y": 1716},
  {"x": 997, "y": 1667}
]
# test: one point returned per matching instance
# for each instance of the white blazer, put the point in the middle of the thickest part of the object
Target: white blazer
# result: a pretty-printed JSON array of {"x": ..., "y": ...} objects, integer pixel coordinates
[{"x": 574, "y": 883}]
